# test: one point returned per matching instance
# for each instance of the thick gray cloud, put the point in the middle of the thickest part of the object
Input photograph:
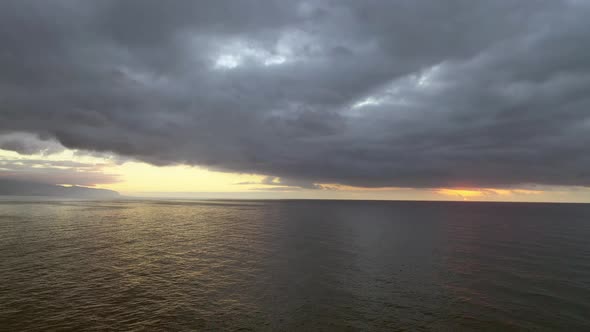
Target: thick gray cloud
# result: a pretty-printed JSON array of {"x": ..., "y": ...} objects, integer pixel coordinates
[
  {"x": 28, "y": 144},
  {"x": 366, "y": 93}
]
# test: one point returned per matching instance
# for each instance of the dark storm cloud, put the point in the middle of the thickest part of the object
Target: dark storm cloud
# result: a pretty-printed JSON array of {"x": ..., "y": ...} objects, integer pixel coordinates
[{"x": 366, "y": 93}]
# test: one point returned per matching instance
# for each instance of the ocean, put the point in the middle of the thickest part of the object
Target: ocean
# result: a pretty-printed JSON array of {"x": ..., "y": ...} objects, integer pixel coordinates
[{"x": 300, "y": 265}]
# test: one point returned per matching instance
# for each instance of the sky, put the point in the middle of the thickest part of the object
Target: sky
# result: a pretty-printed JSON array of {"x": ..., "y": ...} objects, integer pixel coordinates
[{"x": 460, "y": 100}]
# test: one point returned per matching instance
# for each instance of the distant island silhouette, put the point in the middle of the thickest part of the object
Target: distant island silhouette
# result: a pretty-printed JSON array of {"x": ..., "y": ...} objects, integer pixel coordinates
[{"x": 25, "y": 188}]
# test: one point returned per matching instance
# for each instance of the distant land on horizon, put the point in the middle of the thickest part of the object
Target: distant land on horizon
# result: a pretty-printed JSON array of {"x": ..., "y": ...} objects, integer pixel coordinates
[{"x": 24, "y": 188}]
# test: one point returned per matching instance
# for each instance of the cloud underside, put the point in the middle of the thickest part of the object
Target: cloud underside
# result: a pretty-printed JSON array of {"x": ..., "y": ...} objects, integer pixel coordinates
[{"x": 361, "y": 93}]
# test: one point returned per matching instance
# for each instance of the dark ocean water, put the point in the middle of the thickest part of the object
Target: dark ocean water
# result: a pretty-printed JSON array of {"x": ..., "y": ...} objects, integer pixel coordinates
[{"x": 294, "y": 266}]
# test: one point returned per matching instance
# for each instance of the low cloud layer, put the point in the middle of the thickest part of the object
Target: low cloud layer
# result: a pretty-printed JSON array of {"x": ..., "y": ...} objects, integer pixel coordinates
[
  {"x": 363, "y": 93},
  {"x": 54, "y": 172}
]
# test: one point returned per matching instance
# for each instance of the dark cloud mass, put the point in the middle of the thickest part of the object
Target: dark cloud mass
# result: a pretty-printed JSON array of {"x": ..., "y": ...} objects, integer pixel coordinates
[{"x": 366, "y": 93}]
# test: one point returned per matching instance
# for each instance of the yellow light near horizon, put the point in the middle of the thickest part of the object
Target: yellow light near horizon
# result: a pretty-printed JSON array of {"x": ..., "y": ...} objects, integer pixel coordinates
[
  {"x": 464, "y": 194},
  {"x": 142, "y": 177},
  {"x": 486, "y": 193},
  {"x": 137, "y": 176}
]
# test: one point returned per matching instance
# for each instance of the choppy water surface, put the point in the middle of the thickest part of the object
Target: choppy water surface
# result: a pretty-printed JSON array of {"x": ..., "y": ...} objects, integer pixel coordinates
[{"x": 294, "y": 265}]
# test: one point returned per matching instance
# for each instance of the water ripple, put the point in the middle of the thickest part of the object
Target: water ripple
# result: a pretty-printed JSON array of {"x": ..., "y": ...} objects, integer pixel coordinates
[{"x": 293, "y": 265}]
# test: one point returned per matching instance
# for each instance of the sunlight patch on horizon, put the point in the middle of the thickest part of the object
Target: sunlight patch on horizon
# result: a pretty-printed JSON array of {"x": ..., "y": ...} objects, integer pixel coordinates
[
  {"x": 135, "y": 177},
  {"x": 484, "y": 193},
  {"x": 143, "y": 177}
]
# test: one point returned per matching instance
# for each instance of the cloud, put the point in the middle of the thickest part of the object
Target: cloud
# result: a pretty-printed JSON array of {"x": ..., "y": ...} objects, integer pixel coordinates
[
  {"x": 25, "y": 143},
  {"x": 48, "y": 175},
  {"x": 53, "y": 172},
  {"x": 281, "y": 183},
  {"x": 364, "y": 93}
]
